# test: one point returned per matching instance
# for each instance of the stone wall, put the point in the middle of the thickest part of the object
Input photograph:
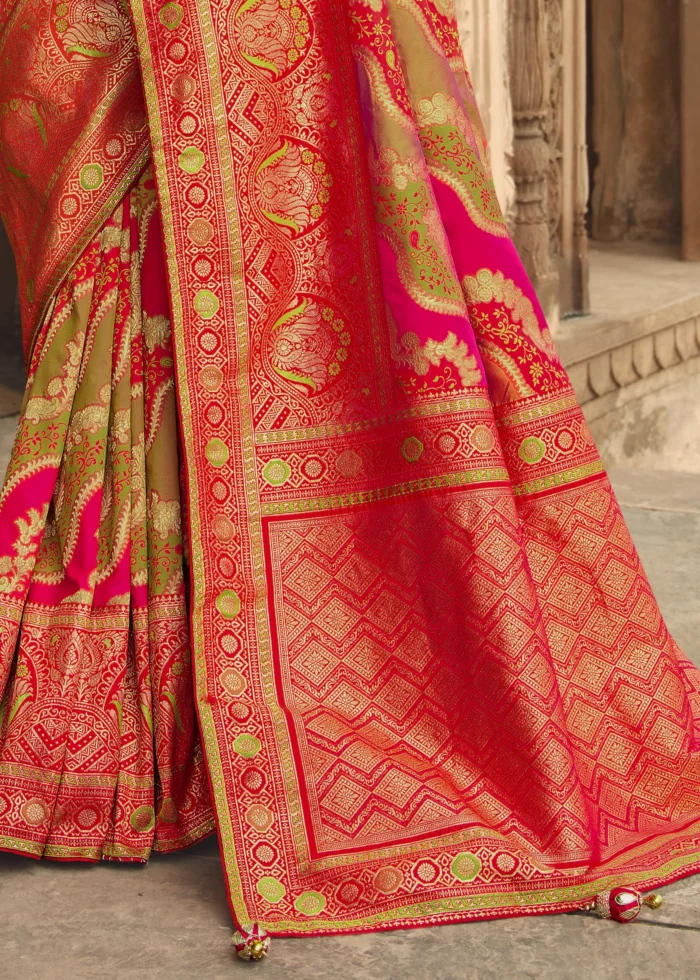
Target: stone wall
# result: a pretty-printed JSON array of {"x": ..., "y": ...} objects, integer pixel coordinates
[
  {"x": 656, "y": 432},
  {"x": 635, "y": 130}
]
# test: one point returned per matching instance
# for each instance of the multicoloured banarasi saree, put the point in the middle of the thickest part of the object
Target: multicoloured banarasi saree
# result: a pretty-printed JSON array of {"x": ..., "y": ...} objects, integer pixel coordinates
[{"x": 304, "y": 536}]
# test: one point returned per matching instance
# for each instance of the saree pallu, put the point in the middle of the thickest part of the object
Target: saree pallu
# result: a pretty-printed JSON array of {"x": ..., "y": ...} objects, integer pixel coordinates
[{"x": 298, "y": 454}]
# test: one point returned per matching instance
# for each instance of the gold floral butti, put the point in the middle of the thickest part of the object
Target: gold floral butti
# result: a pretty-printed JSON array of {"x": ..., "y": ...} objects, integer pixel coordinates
[{"x": 298, "y": 454}]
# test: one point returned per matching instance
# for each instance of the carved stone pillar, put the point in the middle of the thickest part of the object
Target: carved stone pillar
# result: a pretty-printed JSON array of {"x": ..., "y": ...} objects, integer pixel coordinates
[
  {"x": 531, "y": 94},
  {"x": 568, "y": 34}
]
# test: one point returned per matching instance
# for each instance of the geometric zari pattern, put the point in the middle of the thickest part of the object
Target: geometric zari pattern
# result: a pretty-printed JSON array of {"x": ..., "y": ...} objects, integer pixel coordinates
[{"x": 404, "y": 681}]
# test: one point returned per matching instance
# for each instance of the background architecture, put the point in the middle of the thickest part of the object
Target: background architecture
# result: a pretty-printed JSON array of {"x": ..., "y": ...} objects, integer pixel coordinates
[{"x": 593, "y": 113}]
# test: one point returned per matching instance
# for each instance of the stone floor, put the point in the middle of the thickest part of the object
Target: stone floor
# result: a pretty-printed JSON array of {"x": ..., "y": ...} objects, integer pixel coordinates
[
  {"x": 629, "y": 280},
  {"x": 171, "y": 920}
]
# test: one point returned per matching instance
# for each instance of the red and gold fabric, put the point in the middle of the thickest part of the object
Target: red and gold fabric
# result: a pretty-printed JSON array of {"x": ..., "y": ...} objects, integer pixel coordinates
[
  {"x": 99, "y": 752},
  {"x": 298, "y": 453}
]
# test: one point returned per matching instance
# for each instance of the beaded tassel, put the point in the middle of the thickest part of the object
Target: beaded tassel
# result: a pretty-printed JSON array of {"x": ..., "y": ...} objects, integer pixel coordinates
[
  {"x": 622, "y": 904},
  {"x": 251, "y": 942}
]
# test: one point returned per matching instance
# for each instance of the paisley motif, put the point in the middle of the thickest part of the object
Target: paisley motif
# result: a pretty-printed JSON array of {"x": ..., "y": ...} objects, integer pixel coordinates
[
  {"x": 438, "y": 24},
  {"x": 458, "y": 166},
  {"x": 408, "y": 351},
  {"x": 514, "y": 341},
  {"x": 410, "y": 222}
]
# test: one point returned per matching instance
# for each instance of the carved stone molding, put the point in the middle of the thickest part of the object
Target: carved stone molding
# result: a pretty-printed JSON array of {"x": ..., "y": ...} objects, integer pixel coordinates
[{"x": 637, "y": 359}]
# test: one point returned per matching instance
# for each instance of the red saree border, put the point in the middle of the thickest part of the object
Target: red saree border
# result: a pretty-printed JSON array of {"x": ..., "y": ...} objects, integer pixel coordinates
[
  {"x": 114, "y": 852},
  {"x": 145, "y": 24}
]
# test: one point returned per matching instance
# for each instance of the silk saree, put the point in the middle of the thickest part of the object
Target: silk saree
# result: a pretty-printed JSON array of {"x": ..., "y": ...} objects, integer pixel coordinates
[{"x": 304, "y": 536}]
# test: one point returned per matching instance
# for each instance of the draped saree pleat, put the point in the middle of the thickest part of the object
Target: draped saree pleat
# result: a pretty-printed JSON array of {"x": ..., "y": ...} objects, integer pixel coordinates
[
  {"x": 298, "y": 457},
  {"x": 98, "y": 750}
]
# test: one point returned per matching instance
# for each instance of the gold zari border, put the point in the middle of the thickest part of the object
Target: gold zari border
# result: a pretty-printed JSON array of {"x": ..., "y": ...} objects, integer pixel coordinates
[
  {"x": 561, "y": 479},
  {"x": 464, "y": 478}
]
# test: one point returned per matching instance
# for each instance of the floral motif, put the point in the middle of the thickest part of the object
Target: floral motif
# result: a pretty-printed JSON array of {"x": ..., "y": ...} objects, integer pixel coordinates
[
  {"x": 311, "y": 345},
  {"x": 409, "y": 220},
  {"x": 388, "y": 880},
  {"x": 14, "y": 570},
  {"x": 294, "y": 187},
  {"x": 310, "y": 903},
  {"x": 164, "y": 516},
  {"x": 512, "y": 334},
  {"x": 466, "y": 866},
  {"x": 452, "y": 159},
  {"x": 274, "y": 35},
  {"x": 35, "y": 812},
  {"x": 420, "y": 358},
  {"x": 271, "y": 889},
  {"x": 156, "y": 332}
]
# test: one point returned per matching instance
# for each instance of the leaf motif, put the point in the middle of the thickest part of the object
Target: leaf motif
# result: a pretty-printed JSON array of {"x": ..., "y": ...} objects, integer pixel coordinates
[
  {"x": 16, "y": 706},
  {"x": 148, "y": 716},
  {"x": 118, "y": 708},
  {"x": 173, "y": 704}
]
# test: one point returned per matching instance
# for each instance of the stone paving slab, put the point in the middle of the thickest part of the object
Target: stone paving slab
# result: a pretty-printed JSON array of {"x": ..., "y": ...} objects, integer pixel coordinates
[{"x": 170, "y": 921}]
